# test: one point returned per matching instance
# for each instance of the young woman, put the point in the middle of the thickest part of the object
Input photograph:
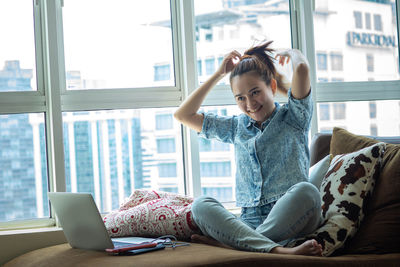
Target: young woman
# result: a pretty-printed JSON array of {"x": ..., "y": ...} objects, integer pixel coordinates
[{"x": 271, "y": 151}]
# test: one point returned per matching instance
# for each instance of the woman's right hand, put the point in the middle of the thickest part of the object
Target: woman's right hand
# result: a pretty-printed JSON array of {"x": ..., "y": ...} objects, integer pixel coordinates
[{"x": 229, "y": 63}]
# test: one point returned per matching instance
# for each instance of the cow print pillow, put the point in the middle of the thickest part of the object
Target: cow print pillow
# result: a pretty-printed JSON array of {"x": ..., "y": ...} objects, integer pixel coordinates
[{"x": 345, "y": 190}]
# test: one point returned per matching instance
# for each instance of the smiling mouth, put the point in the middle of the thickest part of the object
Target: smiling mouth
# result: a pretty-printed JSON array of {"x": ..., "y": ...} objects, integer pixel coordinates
[{"x": 255, "y": 110}]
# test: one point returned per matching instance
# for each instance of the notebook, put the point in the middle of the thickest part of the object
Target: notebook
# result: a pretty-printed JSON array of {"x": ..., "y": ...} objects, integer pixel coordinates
[{"x": 82, "y": 223}]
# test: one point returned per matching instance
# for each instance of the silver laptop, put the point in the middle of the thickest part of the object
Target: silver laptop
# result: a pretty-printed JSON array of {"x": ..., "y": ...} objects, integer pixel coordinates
[{"x": 82, "y": 223}]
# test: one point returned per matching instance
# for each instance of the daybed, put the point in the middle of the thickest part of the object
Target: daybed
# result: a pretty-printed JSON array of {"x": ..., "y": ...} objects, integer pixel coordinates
[{"x": 376, "y": 243}]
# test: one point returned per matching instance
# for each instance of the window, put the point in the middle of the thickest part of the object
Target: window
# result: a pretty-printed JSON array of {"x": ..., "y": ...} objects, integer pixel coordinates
[
  {"x": 199, "y": 68},
  {"x": 339, "y": 111},
  {"x": 370, "y": 63},
  {"x": 372, "y": 110},
  {"x": 111, "y": 153},
  {"x": 352, "y": 38},
  {"x": 220, "y": 59},
  {"x": 324, "y": 113},
  {"x": 112, "y": 141},
  {"x": 17, "y": 51},
  {"x": 162, "y": 73},
  {"x": 374, "y": 130},
  {"x": 336, "y": 62},
  {"x": 217, "y": 161},
  {"x": 167, "y": 170},
  {"x": 377, "y": 22},
  {"x": 166, "y": 145},
  {"x": 322, "y": 61},
  {"x": 224, "y": 194},
  {"x": 108, "y": 53},
  {"x": 210, "y": 66},
  {"x": 358, "y": 117},
  {"x": 368, "y": 21},
  {"x": 236, "y": 25},
  {"x": 164, "y": 122},
  {"x": 23, "y": 167},
  {"x": 206, "y": 145},
  {"x": 215, "y": 169},
  {"x": 358, "y": 19},
  {"x": 169, "y": 189},
  {"x": 208, "y": 35}
]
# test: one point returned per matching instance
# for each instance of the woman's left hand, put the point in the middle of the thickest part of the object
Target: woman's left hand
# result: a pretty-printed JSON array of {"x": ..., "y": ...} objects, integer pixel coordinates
[
  {"x": 283, "y": 57},
  {"x": 301, "y": 78}
]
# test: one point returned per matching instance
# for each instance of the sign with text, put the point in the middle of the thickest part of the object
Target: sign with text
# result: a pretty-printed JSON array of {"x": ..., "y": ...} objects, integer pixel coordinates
[{"x": 356, "y": 39}]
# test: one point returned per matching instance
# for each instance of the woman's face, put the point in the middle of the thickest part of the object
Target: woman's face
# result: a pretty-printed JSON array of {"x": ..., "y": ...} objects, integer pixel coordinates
[{"x": 253, "y": 96}]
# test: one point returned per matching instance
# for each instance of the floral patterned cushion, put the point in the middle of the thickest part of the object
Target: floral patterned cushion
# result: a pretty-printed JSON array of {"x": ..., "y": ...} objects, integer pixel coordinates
[
  {"x": 152, "y": 214},
  {"x": 345, "y": 191}
]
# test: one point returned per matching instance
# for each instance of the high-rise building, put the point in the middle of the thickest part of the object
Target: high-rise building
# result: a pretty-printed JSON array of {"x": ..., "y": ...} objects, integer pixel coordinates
[{"x": 23, "y": 169}]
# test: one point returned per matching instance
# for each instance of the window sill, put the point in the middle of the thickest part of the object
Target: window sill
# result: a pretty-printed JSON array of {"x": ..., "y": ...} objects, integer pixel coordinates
[{"x": 30, "y": 231}]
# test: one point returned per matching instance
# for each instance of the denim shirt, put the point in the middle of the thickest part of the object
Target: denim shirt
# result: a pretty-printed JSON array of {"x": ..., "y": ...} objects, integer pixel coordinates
[{"x": 271, "y": 159}]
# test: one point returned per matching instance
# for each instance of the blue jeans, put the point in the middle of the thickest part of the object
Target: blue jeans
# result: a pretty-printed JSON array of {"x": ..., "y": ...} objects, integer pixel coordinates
[{"x": 260, "y": 229}]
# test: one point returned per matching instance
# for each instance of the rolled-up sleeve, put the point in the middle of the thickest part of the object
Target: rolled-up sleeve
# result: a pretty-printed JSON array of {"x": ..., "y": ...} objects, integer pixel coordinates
[
  {"x": 221, "y": 128},
  {"x": 300, "y": 112}
]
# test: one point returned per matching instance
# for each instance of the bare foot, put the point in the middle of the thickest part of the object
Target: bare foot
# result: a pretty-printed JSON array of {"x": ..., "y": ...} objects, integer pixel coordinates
[
  {"x": 309, "y": 248},
  {"x": 207, "y": 240}
]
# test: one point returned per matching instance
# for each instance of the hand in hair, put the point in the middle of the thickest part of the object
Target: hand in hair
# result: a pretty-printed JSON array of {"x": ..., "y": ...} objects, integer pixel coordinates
[
  {"x": 301, "y": 79},
  {"x": 229, "y": 63},
  {"x": 291, "y": 54}
]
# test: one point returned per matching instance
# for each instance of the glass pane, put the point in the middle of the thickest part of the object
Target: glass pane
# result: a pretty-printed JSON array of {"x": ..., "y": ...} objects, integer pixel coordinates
[
  {"x": 226, "y": 25},
  {"x": 378, "y": 118},
  {"x": 120, "y": 45},
  {"x": 356, "y": 40},
  {"x": 17, "y": 46},
  {"x": 217, "y": 162},
  {"x": 23, "y": 167},
  {"x": 111, "y": 153}
]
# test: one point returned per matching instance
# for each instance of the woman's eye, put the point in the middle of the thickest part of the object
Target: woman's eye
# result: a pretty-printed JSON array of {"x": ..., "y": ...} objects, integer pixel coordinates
[
  {"x": 240, "y": 98},
  {"x": 255, "y": 92}
]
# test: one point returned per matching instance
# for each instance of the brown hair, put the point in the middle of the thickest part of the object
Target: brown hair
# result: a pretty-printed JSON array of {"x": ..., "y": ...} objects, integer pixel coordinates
[{"x": 259, "y": 60}]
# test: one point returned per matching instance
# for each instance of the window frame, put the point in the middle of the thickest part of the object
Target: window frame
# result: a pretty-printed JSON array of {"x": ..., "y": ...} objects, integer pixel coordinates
[{"x": 51, "y": 74}]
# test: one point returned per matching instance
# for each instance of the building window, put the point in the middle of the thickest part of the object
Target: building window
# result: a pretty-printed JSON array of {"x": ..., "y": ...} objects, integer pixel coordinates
[
  {"x": 372, "y": 110},
  {"x": 370, "y": 63},
  {"x": 220, "y": 59},
  {"x": 324, "y": 112},
  {"x": 206, "y": 145},
  {"x": 377, "y": 22},
  {"x": 336, "y": 62},
  {"x": 162, "y": 73},
  {"x": 215, "y": 169},
  {"x": 368, "y": 21},
  {"x": 210, "y": 66},
  {"x": 166, "y": 145},
  {"x": 167, "y": 170},
  {"x": 325, "y": 130},
  {"x": 374, "y": 130},
  {"x": 322, "y": 61},
  {"x": 169, "y": 189},
  {"x": 223, "y": 194},
  {"x": 23, "y": 167},
  {"x": 164, "y": 122},
  {"x": 339, "y": 111},
  {"x": 358, "y": 19},
  {"x": 322, "y": 79},
  {"x": 337, "y": 79},
  {"x": 199, "y": 68},
  {"x": 208, "y": 35}
]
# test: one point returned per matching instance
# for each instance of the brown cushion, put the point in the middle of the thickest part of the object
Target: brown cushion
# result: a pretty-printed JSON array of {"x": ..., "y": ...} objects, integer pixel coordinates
[
  {"x": 380, "y": 230},
  {"x": 193, "y": 255}
]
